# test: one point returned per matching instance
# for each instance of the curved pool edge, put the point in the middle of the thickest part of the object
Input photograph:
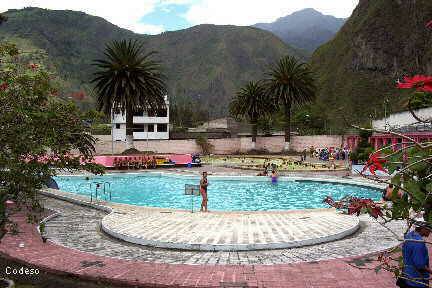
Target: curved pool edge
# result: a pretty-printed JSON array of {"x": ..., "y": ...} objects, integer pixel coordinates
[{"x": 229, "y": 246}]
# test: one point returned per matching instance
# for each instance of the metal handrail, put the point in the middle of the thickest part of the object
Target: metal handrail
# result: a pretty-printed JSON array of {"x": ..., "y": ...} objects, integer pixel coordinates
[{"x": 99, "y": 185}]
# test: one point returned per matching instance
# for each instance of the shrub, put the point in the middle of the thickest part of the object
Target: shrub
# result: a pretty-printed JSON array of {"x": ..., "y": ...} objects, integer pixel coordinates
[
  {"x": 204, "y": 144},
  {"x": 101, "y": 129}
]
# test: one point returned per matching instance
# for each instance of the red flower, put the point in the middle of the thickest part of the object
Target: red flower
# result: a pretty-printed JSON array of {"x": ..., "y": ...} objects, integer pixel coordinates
[
  {"x": 33, "y": 66},
  {"x": 4, "y": 86},
  {"x": 376, "y": 211},
  {"x": 429, "y": 25},
  {"x": 374, "y": 163},
  {"x": 420, "y": 82}
]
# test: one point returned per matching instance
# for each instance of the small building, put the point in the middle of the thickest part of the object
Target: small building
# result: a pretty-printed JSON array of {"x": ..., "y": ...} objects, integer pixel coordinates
[
  {"x": 147, "y": 126},
  {"x": 403, "y": 123},
  {"x": 402, "y": 119}
]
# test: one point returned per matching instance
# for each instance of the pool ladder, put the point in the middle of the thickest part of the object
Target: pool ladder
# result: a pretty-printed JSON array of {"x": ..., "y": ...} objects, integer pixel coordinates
[{"x": 96, "y": 188}]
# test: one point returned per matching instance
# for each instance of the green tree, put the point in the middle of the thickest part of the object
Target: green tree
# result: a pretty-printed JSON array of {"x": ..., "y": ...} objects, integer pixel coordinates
[
  {"x": 290, "y": 82},
  {"x": 39, "y": 134},
  {"x": 3, "y": 18},
  {"x": 129, "y": 81},
  {"x": 252, "y": 103},
  {"x": 364, "y": 148}
]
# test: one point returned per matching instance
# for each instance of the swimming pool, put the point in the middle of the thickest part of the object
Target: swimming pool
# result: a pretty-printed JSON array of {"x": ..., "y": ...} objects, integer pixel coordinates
[{"x": 225, "y": 193}]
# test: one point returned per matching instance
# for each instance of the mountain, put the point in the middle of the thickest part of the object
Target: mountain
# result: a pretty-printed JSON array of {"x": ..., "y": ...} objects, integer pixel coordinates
[
  {"x": 305, "y": 29},
  {"x": 205, "y": 63},
  {"x": 382, "y": 41}
]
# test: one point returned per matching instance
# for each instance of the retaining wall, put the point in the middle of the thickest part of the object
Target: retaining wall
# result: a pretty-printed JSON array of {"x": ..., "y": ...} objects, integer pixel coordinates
[{"x": 221, "y": 146}]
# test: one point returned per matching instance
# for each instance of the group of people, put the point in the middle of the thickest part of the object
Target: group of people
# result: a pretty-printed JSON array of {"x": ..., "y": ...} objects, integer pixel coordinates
[
  {"x": 328, "y": 154},
  {"x": 137, "y": 162}
]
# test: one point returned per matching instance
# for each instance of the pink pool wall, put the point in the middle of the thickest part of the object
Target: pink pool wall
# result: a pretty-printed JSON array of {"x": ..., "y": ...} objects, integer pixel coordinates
[{"x": 221, "y": 146}]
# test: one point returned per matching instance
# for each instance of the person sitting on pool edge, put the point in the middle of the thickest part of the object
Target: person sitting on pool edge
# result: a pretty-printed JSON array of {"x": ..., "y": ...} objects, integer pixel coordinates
[
  {"x": 203, "y": 191},
  {"x": 388, "y": 193},
  {"x": 263, "y": 173}
]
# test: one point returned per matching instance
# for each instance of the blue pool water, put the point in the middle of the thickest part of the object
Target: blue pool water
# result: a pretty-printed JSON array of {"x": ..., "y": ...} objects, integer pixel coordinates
[{"x": 253, "y": 194}]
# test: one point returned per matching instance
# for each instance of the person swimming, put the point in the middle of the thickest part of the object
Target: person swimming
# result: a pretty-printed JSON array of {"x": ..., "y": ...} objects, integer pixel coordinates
[{"x": 274, "y": 177}]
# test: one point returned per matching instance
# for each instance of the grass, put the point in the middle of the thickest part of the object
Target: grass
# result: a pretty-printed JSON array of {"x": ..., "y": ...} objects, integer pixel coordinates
[{"x": 284, "y": 163}]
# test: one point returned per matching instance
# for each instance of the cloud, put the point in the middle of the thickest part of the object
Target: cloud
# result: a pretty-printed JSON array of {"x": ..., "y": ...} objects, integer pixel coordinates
[
  {"x": 143, "y": 28},
  {"x": 126, "y": 14},
  {"x": 247, "y": 12},
  {"x": 177, "y": 2}
]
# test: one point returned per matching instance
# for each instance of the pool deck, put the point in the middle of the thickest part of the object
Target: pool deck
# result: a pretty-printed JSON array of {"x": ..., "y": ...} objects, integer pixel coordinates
[
  {"x": 227, "y": 231},
  {"x": 28, "y": 249}
]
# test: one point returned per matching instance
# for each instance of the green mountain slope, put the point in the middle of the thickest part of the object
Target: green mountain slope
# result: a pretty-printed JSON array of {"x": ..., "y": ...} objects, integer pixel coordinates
[
  {"x": 206, "y": 63},
  {"x": 381, "y": 42}
]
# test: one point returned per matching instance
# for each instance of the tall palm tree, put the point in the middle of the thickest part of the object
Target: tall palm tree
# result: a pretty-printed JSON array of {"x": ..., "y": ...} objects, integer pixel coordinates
[
  {"x": 251, "y": 103},
  {"x": 290, "y": 82},
  {"x": 128, "y": 80}
]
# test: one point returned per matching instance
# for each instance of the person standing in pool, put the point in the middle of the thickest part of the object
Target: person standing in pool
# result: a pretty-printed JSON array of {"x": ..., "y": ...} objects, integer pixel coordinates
[
  {"x": 274, "y": 176},
  {"x": 203, "y": 190}
]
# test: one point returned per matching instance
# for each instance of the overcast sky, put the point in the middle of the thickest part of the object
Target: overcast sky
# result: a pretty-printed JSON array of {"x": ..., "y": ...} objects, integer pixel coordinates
[{"x": 156, "y": 16}]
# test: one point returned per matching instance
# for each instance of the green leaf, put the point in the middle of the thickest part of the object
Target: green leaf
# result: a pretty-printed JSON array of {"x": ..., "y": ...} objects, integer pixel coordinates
[{"x": 378, "y": 268}]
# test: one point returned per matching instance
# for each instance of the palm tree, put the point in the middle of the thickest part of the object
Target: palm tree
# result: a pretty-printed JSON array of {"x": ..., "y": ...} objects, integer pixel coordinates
[
  {"x": 290, "y": 82},
  {"x": 127, "y": 80},
  {"x": 251, "y": 103}
]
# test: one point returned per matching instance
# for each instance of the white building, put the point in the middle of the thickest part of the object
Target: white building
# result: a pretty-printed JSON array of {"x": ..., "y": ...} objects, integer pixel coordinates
[
  {"x": 146, "y": 126},
  {"x": 401, "y": 119}
]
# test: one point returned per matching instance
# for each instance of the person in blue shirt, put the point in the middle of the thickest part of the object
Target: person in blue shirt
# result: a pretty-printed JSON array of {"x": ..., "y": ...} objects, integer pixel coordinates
[{"x": 416, "y": 257}]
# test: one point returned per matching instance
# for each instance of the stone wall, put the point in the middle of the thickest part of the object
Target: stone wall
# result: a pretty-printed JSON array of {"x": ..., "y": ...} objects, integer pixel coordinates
[{"x": 221, "y": 146}]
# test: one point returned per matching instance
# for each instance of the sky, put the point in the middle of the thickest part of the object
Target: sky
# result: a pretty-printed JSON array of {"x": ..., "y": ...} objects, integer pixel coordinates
[{"x": 156, "y": 16}]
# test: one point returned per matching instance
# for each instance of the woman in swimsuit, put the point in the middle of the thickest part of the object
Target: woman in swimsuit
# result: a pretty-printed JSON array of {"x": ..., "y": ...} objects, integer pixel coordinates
[{"x": 203, "y": 190}]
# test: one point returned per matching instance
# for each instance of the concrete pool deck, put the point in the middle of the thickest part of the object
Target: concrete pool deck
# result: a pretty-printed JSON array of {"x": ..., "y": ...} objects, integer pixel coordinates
[
  {"x": 227, "y": 231},
  {"x": 222, "y": 231}
]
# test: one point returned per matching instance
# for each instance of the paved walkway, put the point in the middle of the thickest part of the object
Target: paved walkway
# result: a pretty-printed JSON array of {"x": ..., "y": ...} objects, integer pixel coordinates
[
  {"x": 78, "y": 227},
  {"x": 27, "y": 247}
]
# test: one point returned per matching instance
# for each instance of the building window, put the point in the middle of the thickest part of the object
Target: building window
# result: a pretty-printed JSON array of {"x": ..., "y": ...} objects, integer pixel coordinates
[
  {"x": 162, "y": 113},
  {"x": 138, "y": 128},
  {"x": 150, "y": 128},
  {"x": 162, "y": 127},
  {"x": 117, "y": 126},
  {"x": 139, "y": 113}
]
